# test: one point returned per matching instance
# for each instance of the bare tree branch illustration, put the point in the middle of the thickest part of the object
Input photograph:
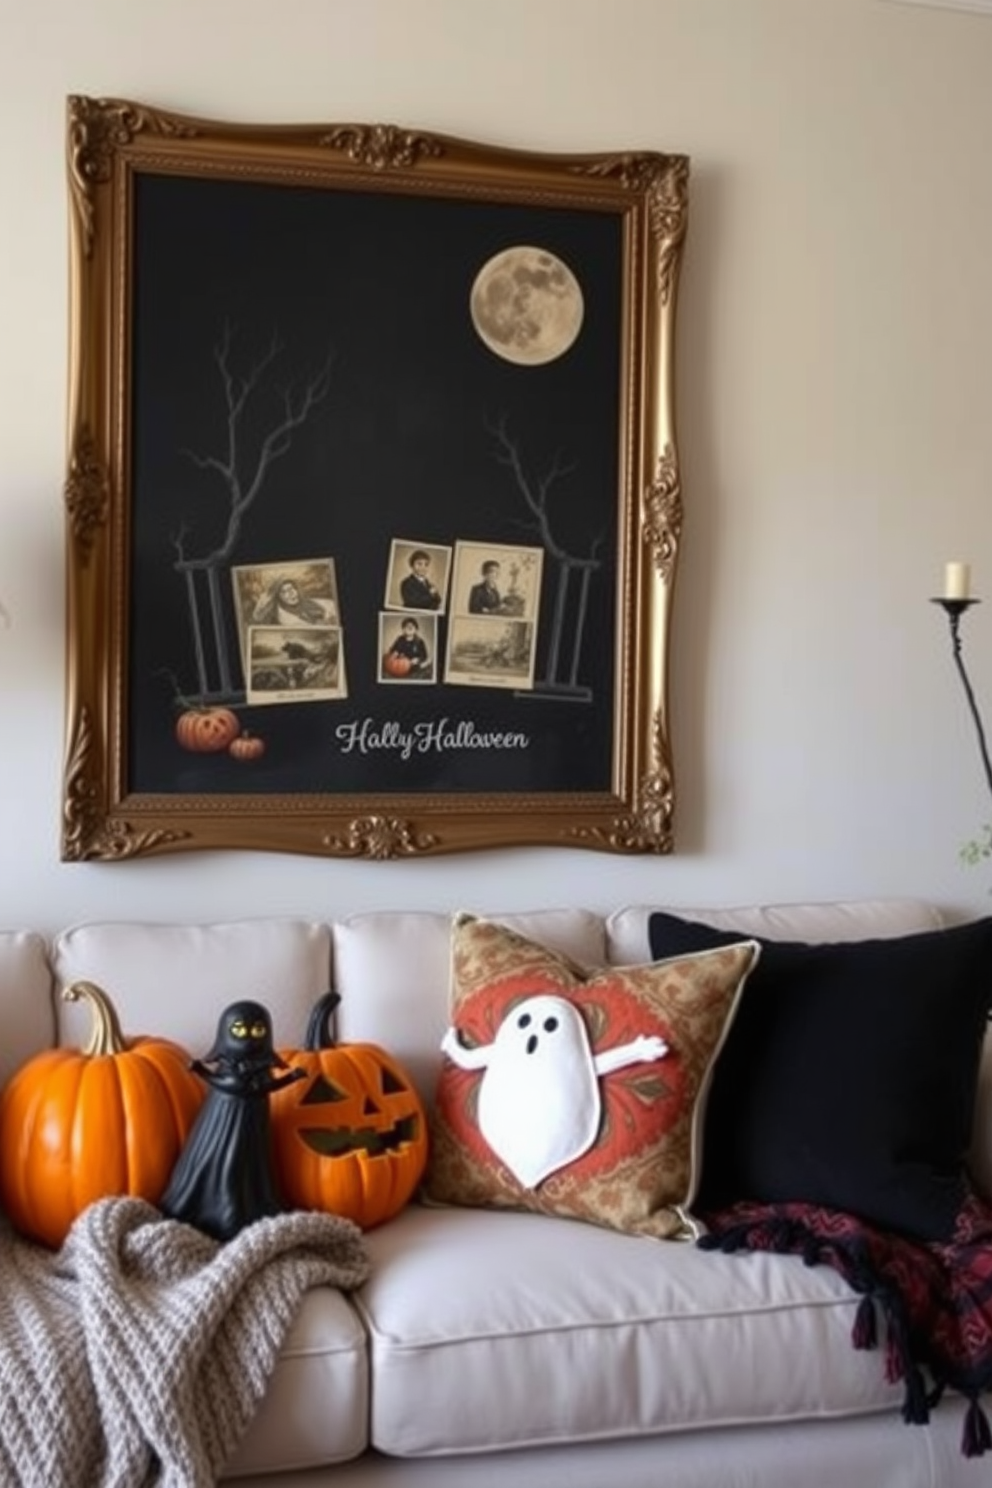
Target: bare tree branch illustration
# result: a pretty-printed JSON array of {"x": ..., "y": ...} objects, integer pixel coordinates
[
  {"x": 568, "y": 609},
  {"x": 242, "y": 476},
  {"x": 242, "y": 469},
  {"x": 536, "y": 490}
]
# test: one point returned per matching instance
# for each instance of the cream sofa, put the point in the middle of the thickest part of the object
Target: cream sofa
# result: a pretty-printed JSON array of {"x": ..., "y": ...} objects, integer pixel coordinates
[{"x": 494, "y": 1347}]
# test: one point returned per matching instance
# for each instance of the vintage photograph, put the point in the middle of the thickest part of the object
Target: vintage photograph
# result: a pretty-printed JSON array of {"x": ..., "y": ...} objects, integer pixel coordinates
[
  {"x": 492, "y": 579},
  {"x": 490, "y": 652},
  {"x": 418, "y": 576},
  {"x": 304, "y": 665},
  {"x": 407, "y": 648},
  {"x": 300, "y": 593}
]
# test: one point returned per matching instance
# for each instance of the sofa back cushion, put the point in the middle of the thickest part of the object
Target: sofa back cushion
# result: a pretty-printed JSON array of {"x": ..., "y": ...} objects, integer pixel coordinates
[
  {"x": 628, "y": 941},
  {"x": 175, "y": 980},
  {"x": 27, "y": 1021}
]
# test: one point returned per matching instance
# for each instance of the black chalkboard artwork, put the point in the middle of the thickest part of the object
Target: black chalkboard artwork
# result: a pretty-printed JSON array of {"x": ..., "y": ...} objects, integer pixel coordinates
[{"x": 329, "y": 374}]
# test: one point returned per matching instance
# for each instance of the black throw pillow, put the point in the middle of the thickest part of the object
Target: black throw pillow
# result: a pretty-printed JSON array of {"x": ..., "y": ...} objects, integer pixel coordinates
[{"x": 849, "y": 1075}]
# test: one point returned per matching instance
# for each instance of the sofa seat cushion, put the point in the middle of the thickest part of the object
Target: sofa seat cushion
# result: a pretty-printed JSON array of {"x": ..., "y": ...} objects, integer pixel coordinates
[
  {"x": 315, "y": 1409},
  {"x": 492, "y": 1330}
]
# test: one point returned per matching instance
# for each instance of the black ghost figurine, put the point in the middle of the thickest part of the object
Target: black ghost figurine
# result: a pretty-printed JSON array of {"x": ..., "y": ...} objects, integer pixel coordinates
[{"x": 223, "y": 1178}]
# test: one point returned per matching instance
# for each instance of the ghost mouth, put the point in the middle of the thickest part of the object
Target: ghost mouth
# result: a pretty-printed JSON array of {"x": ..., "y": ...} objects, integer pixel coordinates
[{"x": 333, "y": 1141}]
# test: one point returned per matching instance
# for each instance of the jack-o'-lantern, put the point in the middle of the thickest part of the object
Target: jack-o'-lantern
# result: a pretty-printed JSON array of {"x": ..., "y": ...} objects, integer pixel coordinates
[
  {"x": 207, "y": 730},
  {"x": 351, "y": 1138}
]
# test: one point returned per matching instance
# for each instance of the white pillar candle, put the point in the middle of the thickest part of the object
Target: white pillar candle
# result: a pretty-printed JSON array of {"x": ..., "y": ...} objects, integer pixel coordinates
[{"x": 957, "y": 580}]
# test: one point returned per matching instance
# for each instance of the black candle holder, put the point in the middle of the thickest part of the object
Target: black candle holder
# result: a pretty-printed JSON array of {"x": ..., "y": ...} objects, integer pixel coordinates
[{"x": 954, "y": 609}]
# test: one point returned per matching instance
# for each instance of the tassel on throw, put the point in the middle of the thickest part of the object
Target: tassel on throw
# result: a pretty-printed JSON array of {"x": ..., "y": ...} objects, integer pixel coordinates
[
  {"x": 976, "y": 1437},
  {"x": 864, "y": 1334}
]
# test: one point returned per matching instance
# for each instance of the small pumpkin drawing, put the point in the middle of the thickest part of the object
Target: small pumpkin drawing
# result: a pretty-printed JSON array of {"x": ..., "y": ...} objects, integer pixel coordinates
[
  {"x": 351, "y": 1138},
  {"x": 246, "y": 747},
  {"x": 207, "y": 730},
  {"x": 77, "y": 1125}
]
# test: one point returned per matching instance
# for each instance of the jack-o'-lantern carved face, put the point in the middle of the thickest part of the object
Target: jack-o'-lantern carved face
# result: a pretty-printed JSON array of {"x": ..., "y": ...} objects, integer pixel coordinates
[
  {"x": 372, "y": 1123},
  {"x": 352, "y": 1137}
]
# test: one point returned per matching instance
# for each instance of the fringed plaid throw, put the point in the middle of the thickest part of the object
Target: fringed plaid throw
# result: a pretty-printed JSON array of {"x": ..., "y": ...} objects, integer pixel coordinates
[{"x": 935, "y": 1300}]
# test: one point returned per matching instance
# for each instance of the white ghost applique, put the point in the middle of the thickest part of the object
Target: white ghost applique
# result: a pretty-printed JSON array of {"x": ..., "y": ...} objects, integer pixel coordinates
[{"x": 539, "y": 1101}]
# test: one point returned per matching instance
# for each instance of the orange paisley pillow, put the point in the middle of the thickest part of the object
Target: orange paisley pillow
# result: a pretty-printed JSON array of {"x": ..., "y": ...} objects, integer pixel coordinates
[{"x": 575, "y": 1092}]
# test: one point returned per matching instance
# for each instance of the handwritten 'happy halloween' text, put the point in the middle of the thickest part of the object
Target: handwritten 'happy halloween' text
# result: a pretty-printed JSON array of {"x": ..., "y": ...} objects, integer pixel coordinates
[{"x": 363, "y": 736}]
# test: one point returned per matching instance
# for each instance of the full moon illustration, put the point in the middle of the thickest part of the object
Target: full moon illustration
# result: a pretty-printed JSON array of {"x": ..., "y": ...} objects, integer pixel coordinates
[{"x": 527, "y": 305}]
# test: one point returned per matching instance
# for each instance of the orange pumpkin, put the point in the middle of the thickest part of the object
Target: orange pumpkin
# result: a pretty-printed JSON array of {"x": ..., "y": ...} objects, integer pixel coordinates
[
  {"x": 351, "y": 1138},
  {"x": 246, "y": 747},
  {"x": 207, "y": 730},
  {"x": 77, "y": 1125},
  {"x": 397, "y": 665}
]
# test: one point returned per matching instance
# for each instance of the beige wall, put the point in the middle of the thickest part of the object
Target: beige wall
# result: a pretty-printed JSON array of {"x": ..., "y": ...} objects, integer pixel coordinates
[{"x": 834, "y": 387}]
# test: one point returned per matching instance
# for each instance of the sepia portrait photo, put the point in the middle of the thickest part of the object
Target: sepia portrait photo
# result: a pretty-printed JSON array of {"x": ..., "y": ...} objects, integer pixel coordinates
[
  {"x": 300, "y": 593},
  {"x": 407, "y": 648},
  {"x": 493, "y": 579},
  {"x": 418, "y": 576}
]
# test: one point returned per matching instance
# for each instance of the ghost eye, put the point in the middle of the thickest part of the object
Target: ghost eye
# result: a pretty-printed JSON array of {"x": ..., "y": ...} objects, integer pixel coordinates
[
  {"x": 238, "y": 1029},
  {"x": 258, "y": 1030},
  {"x": 524, "y": 1020},
  {"x": 550, "y": 1024}
]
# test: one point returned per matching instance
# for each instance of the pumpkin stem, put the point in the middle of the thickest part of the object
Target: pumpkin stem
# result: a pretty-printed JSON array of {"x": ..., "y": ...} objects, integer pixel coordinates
[
  {"x": 319, "y": 1035},
  {"x": 105, "y": 1034}
]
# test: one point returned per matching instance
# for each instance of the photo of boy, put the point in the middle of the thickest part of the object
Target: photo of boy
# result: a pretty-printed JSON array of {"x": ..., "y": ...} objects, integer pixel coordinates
[
  {"x": 484, "y": 597},
  {"x": 496, "y": 579},
  {"x": 417, "y": 578},
  {"x": 406, "y": 656},
  {"x": 417, "y": 590}
]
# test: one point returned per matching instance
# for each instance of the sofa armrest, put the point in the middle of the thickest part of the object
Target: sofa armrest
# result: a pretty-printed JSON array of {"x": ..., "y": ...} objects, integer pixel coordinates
[{"x": 980, "y": 1160}]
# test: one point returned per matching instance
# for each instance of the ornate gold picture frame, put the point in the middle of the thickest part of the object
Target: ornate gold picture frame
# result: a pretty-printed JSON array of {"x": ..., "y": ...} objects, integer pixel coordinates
[{"x": 373, "y": 499}]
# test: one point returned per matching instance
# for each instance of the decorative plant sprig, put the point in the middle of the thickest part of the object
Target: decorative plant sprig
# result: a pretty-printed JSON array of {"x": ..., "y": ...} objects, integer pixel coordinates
[{"x": 977, "y": 848}]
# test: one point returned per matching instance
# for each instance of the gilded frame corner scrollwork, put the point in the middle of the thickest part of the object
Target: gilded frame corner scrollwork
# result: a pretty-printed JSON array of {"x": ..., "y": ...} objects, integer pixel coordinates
[{"x": 544, "y": 721}]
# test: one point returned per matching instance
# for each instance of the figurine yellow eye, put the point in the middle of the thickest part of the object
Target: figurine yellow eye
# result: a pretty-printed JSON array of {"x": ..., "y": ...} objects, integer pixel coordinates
[
  {"x": 238, "y": 1029},
  {"x": 258, "y": 1030}
]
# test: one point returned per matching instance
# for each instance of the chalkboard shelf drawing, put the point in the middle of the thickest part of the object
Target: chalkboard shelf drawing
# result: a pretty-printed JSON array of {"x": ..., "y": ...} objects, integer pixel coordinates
[{"x": 344, "y": 401}]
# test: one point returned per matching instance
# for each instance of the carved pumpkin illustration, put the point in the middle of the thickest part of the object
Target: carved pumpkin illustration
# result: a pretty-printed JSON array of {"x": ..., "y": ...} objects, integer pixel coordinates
[
  {"x": 246, "y": 747},
  {"x": 350, "y": 1139},
  {"x": 207, "y": 730},
  {"x": 77, "y": 1125},
  {"x": 396, "y": 665}
]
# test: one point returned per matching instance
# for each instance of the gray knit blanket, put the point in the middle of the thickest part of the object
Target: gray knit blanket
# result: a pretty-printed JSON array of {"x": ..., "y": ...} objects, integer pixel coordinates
[{"x": 137, "y": 1354}]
